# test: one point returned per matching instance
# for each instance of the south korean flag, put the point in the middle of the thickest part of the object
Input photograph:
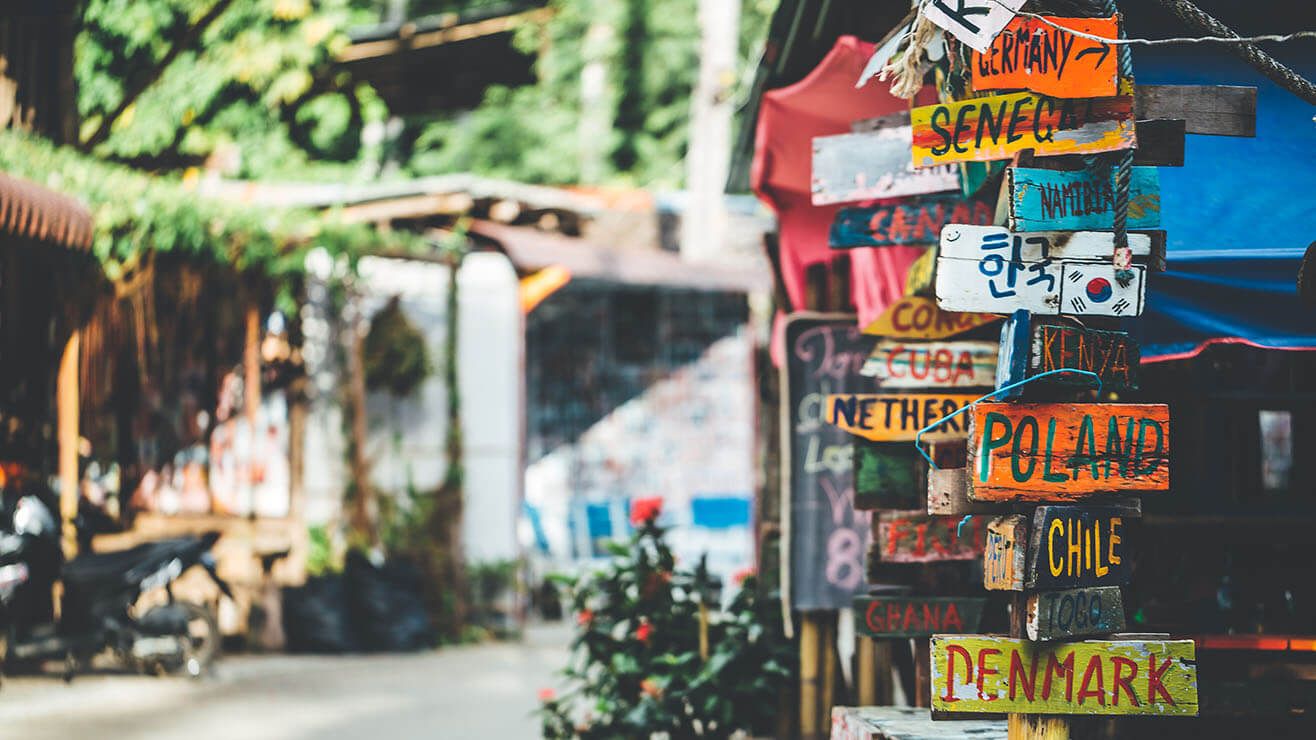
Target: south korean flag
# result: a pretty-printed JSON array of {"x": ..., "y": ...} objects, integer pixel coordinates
[{"x": 1092, "y": 290}]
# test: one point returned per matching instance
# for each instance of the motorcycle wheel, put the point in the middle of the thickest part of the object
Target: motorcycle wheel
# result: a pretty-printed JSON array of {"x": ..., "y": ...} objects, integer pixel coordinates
[{"x": 200, "y": 643}]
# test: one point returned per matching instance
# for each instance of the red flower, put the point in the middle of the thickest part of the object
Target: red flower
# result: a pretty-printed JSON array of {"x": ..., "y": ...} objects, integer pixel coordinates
[
  {"x": 739, "y": 576},
  {"x": 546, "y": 695},
  {"x": 645, "y": 510},
  {"x": 649, "y": 687},
  {"x": 644, "y": 632},
  {"x": 584, "y": 617}
]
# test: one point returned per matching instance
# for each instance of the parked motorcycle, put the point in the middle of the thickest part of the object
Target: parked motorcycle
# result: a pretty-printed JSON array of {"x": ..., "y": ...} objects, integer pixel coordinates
[{"x": 100, "y": 591}]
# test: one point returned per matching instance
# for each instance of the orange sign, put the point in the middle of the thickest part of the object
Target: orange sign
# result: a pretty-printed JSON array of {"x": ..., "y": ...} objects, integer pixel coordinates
[
  {"x": 1031, "y": 54},
  {"x": 916, "y": 317}
]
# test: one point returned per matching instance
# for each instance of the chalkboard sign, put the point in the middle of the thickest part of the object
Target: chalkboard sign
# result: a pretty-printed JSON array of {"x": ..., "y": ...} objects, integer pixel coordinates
[{"x": 825, "y": 537}]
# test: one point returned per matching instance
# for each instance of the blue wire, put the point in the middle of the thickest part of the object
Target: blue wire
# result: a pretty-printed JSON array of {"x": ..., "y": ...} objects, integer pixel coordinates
[{"x": 919, "y": 435}]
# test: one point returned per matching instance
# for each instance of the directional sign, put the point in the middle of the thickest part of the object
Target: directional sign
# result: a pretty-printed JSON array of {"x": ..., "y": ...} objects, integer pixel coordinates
[
  {"x": 948, "y": 494},
  {"x": 981, "y": 673},
  {"x": 1218, "y": 110},
  {"x": 996, "y": 127},
  {"x": 854, "y": 167},
  {"x": 1003, "y": 558},
  {"x": 1061, "y": 615},
  {"x": 1064, "y": 451},
  {"x": 898, "y": 363},
  {"x": 917, "y": 616},
  {"x": 916, "y": 317},
  {"x": 1029, "y": 349},
  {"x": 989, "y": 269},
  {"x": 886, "y": 475},
  {"x": 909, "y": 222},
  {"x": 915, "y": 537},
  {"x": 1045, "y": 200},
  {"x": 920, "y": 278},
  {"x": 975, "y": 22},
  {"x": 1079, "y": 546},
  {"x": 1032, "y": 54},
  {"x": 897, "y": 417}
]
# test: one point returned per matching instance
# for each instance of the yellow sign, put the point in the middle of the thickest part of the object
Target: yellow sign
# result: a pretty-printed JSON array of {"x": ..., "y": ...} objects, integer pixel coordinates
[
  {"x": 897, "y": 417},
  {"x": 916, "y": 317}
]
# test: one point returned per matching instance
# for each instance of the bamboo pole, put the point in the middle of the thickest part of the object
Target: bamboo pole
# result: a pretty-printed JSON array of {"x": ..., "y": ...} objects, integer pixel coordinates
[
  {"x": 865, "y": 670},
  {"x": 809, "y": 665},
  {"x": 66, "y": 420},
  {"x": 828, "y": 648}
]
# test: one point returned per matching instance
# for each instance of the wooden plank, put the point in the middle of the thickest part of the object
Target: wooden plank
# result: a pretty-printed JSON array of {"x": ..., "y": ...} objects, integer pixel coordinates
[
  {"x": 1003, "y": 558},
  {"x": 982, "y": 673},
  {"x": 1075, "y": 612},
  {"x": 1012, "y": 355},
  {"x": 1161, "y": 143},
  {"x": 916, "y": 317},
  {"x": 917, "y": 616},
  {"x": 1048, "y": 287},
  {"x": 915, "y": 537},
  {"x": 886, "y": 475},
  {"x": 855, "y": 167},
  {"x": 1034, "y": 55},
  {"x": 897, "y": 363},
  {"x": 1113, "y": 355},
  {"x": 911, "y": 222},
  {"x": 907, "y": 723},
  {"x": 995, "y": 127},
  {"x": 1218, "y": 110},
  {"x": 1066, "y": 451},
  {"x": 1054, "y": 200},
  {"x": 1073, "y": 546},
  {"x": 921, "y": 277},
  {"x": 970, "y": 242},
  {"x": 948, "y": 494},
  {"x": 975, "y": 22},
  {"x": 897, "y": 417}
]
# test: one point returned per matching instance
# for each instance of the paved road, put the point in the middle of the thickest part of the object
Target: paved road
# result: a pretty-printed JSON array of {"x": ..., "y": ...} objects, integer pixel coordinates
[{"x": 479, "y": 692}]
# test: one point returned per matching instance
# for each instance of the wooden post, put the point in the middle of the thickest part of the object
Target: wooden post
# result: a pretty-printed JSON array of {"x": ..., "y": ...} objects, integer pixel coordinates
[
  {"x": 922, "y": 673},
  {"x": 809, "y": 667},
  {"x": 865, "y": 671},
  {"x": 882, "y": 662},
  {"x": 829, "y": 669},
  {"x": 251, "y": 367},
  {"x": 66, "y": 410},
  {"x": 1031, "y": 726}
]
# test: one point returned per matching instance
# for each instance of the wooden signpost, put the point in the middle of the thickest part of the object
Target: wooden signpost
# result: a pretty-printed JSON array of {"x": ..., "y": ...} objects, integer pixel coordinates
[
  {"x": 1074, "y": 612},
  {"x": 855, "y": 167},
  {"x": 996, "y": 127},
  {"x": 948, "y": 494},
  {"x": 1058, "y": 200},
  {"x": 1031, "y": 54},
  {"x": 1066, "y": 451},
  {"x": 1029, "y": 349},
  {"x": 917, "y": 616},
  {"x": 1073, "y": 546},
  {"x": 975, "y": 22},
  {"x": 915, "y": 537},
  {"x": 993, "y": 244},
  {"x": 897, "y": 417},
  {"x": 916, "y": 317},
  {"x": 1003, "y": 559},
  {"x": 921, "y": 277},
  {"x": 1218, "y": 110},
  {"x": 886, "y": 475},
  {"x": 984, "y": 674},
  {"x": 913, "y": 222},
  {"x": 900, "y": 364}
]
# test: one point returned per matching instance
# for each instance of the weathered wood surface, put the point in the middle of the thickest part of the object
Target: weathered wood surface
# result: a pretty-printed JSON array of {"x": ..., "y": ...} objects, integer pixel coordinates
[
  {"x": 886, "y": 475},
  {"x": 1033, "y": 55},
  {"x": 1003, "y": 558},
  {"x": 948, "y": 494},
  {"x": 915, "y": 537},
  {"x": 898, "y": 363},
  {"x": 1066, "y": 451},
  {"x": 1161, "y": 143},
  {"x": 913, "y": 222},
  {"x": 1029, "y": 349},
  {"x": 1218, "y": 110},
  {"x": 917, "y": 616},
  {"x": 1074, "y": 612},
  {"x": 855, "y": 167},
  {"x": 916, "y": 317},
  {"x": 897, "y": 417},
  {"x": 1001, "y": 281},
  {"x": 921, "y": 277},
  {"x": 1054, "y": 200},
  {"x": 1012, "y": 355},
  {"x": 995, "y": 127},
  {"x": 908, "y": 723},
  {"x": 975, "y": 22},
  {"x": 970, "y": 242},
  {"x": 1071, "y": 546},
  {"x": 982, "y": 673}
]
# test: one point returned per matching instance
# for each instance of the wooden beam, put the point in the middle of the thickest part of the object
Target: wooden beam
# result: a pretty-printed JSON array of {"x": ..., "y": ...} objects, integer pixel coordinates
[
  {"x": 1218, "y": 110},
  {"x": 66, "y": 412},
  {"x": 489, "y": 27},
  {"x": 414, "y": 206}
]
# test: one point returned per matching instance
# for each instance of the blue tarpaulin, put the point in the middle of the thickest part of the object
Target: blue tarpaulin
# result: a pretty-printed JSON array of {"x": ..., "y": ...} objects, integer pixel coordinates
[{"x": 1238, "y": 214}]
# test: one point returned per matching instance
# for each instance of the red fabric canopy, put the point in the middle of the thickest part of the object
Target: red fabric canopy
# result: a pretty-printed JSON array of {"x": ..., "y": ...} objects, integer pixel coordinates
[{"x": 823, "y": 103}]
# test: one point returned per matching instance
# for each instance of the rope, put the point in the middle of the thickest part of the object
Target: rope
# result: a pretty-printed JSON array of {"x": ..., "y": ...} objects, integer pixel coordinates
[
  {"x": 1123, "y": 256},
  {"x": 906, "y": 72},
  {"x": 1277, "y": 37}
]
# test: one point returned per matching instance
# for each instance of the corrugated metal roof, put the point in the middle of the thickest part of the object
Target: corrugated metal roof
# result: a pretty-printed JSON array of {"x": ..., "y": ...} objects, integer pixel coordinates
[{"x": 30, "y": 211}]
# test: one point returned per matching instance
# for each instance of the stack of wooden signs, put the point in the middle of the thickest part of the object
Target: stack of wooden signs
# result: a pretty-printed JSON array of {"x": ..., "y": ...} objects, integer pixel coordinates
[{"x": 1012, "y": 185}]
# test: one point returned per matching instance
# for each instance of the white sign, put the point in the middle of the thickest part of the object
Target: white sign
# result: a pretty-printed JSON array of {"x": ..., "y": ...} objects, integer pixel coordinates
[
  {"x": 975, "y": 22},
  {"x": 963, "y": 241}
]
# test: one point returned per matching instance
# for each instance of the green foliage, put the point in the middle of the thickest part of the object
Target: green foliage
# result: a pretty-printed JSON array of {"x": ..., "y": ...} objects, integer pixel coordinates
[
  {"x": 396, "y": 358},
  {"x": 636, "y": 667},
  {"x": 320, "y": 558},
  {"x": 133, "y": 212}
]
